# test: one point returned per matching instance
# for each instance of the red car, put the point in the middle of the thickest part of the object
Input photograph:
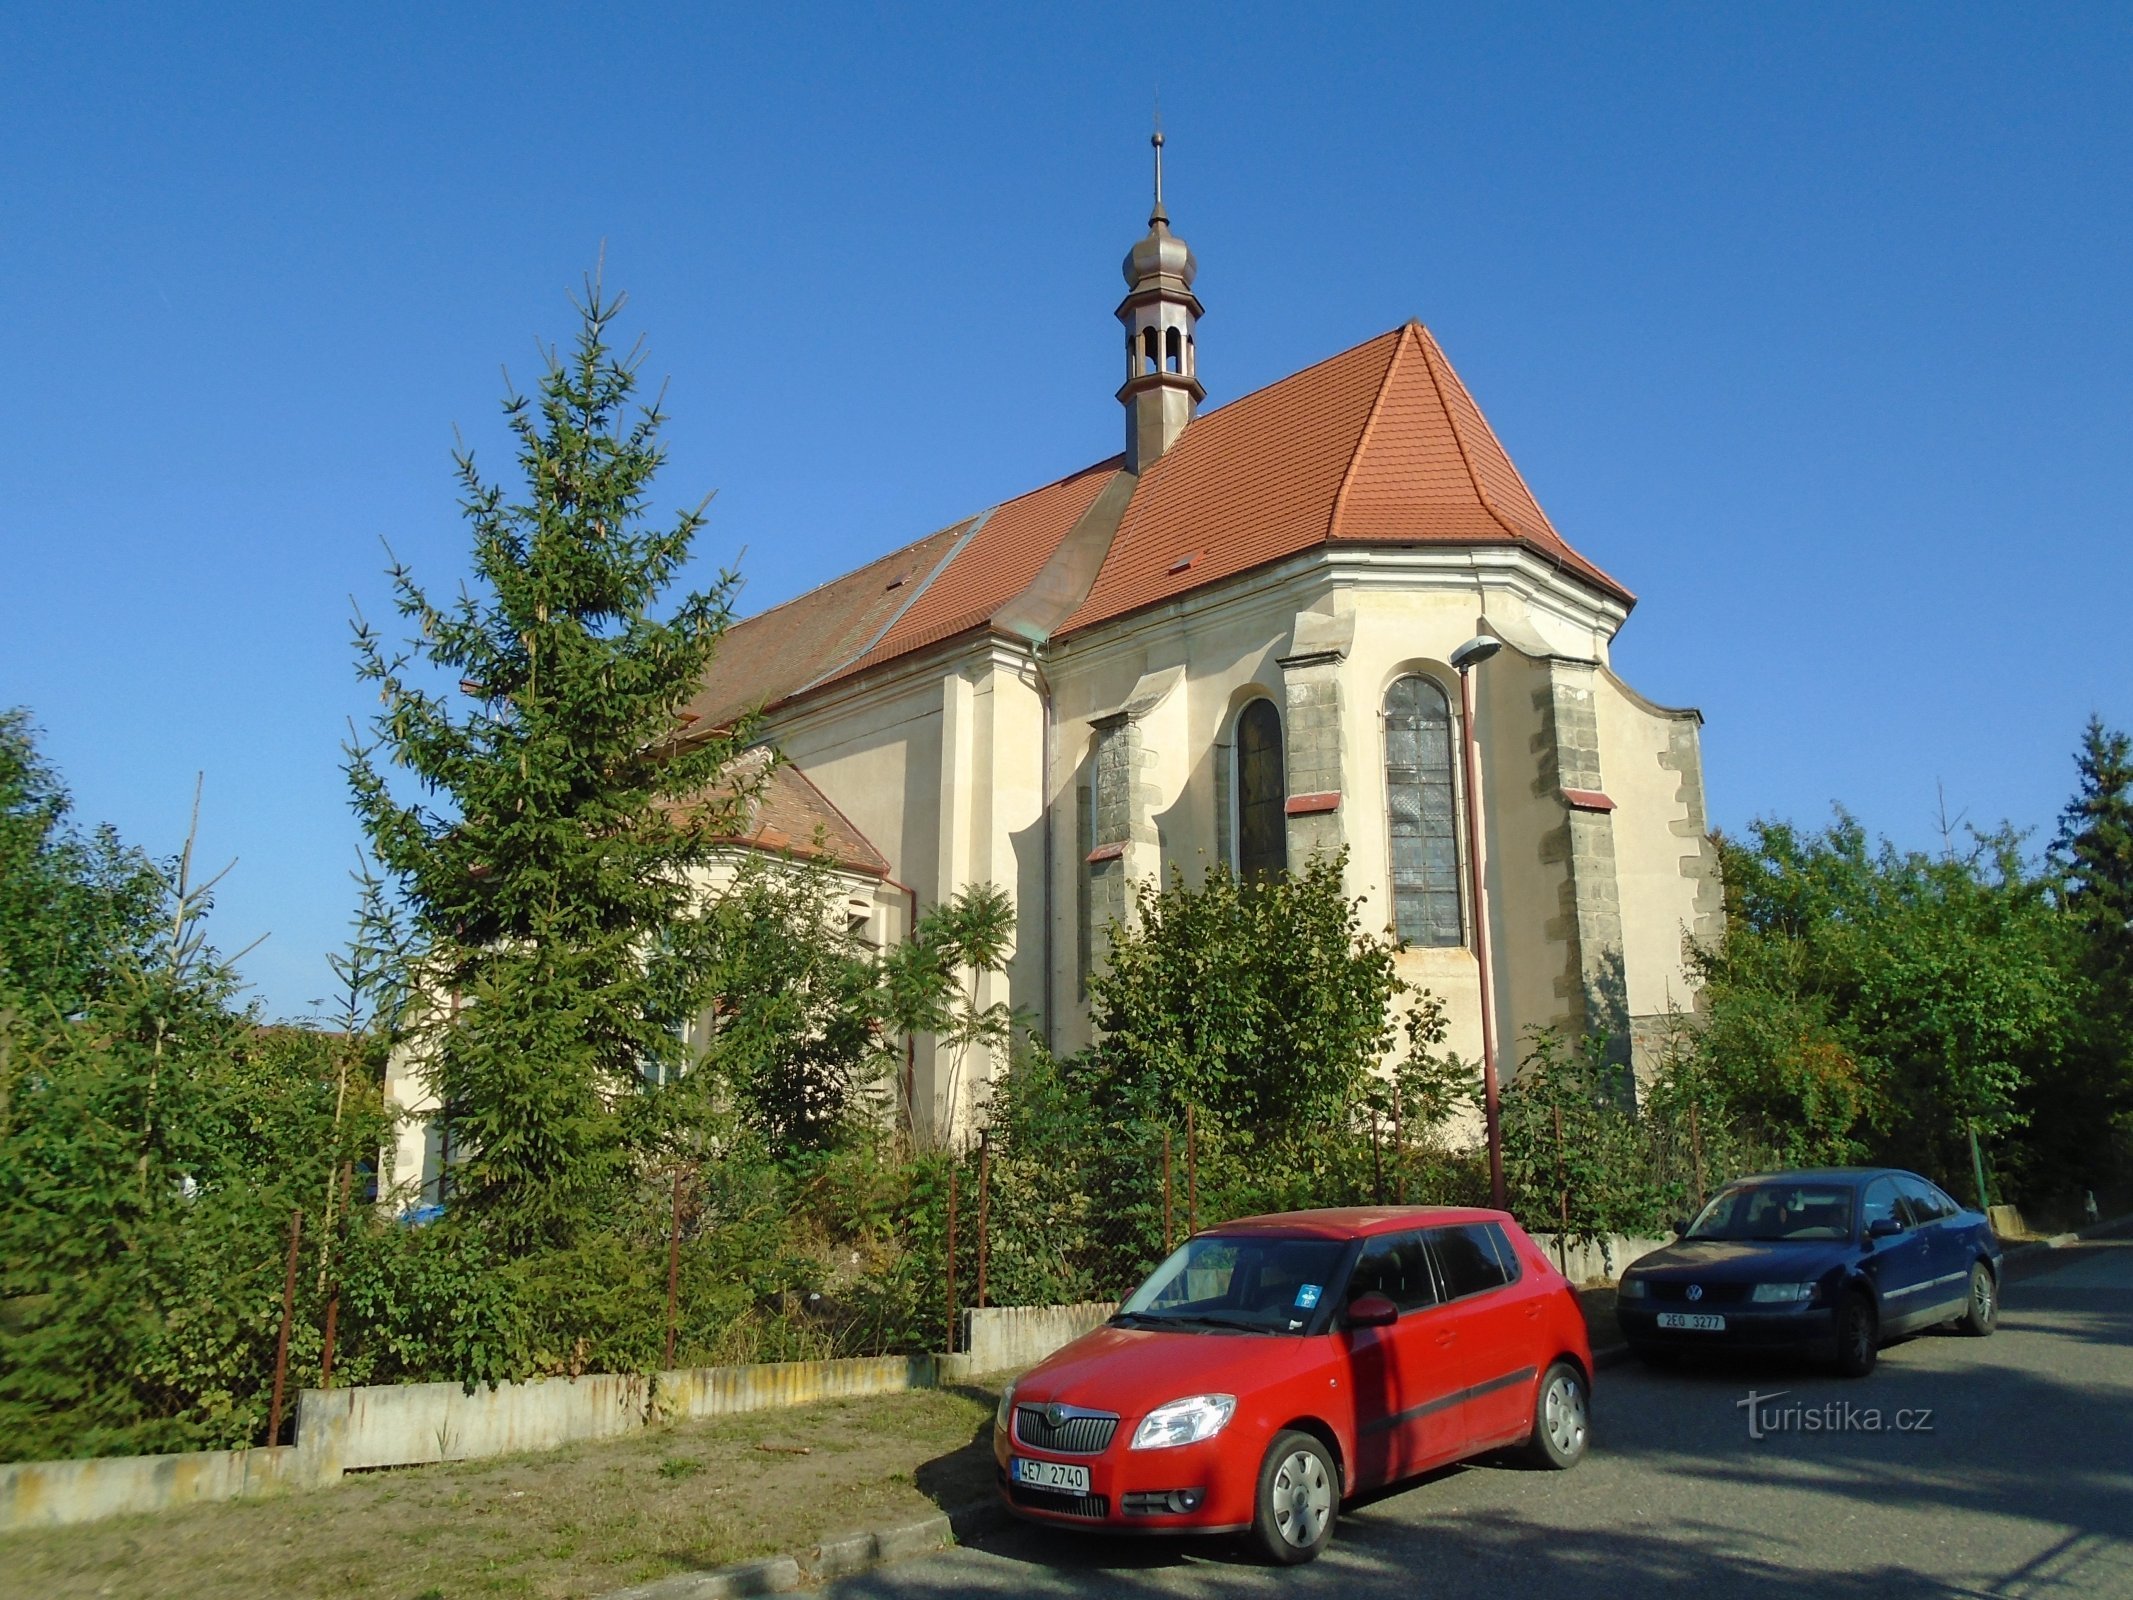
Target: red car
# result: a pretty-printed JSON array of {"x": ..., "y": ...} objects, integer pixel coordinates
[{"x": 1277, "y": 1364}]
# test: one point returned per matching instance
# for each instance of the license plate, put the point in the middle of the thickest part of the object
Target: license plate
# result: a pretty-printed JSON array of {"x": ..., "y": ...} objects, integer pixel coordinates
[
  {"x": 1055, "y": 1475},
  {"x": 1694, "y": 1322}
]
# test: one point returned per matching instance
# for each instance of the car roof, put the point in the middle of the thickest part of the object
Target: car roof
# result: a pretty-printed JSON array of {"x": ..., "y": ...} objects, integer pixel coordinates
[
  {"x": 1851, "y": 1175},
  {"x": 1356, "y": 1222}
]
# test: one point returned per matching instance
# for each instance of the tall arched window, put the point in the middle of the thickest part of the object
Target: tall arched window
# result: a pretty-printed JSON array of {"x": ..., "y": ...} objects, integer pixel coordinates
[
  {"x": 1262, "y": 820},
  {"x": 1423, "y": 825},
  {"x": 1173, "y": 351}
]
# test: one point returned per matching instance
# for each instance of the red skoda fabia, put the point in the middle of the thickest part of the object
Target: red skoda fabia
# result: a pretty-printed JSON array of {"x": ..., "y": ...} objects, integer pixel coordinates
[{"x": 1275, "y": 1365}]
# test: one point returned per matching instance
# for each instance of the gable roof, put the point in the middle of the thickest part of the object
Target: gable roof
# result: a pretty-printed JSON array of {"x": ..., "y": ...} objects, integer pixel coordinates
[{"x": 1380, "y": 444}]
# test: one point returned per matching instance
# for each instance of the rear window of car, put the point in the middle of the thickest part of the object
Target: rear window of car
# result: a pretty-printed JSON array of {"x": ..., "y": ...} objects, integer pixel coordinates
[
  {"x": 1927, "y": 1203},
  {"x": 1467, "y": 1257}
]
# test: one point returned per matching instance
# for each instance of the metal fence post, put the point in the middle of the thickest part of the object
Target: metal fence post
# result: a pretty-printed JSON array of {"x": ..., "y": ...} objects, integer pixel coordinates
[
  {"x": 984, "y": 1197},
  {"x": 288, "y": 1311},
  {"x": 673, "y": 1273},
  {"x": 1192, "y": 1175},
  {"x": 333, "y": 1299},
  {"x": 1166, "y": 1192},
  {"x": 1399, "y": 1148},
  {"x": 1696, "y": 1153},
  {"x": 951, "y": 1252},
  {"x": 1562, "y": 1186}
]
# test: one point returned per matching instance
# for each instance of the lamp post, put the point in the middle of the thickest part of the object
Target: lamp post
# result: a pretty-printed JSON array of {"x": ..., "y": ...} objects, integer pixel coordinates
[{"x": 1464, "y": 659}]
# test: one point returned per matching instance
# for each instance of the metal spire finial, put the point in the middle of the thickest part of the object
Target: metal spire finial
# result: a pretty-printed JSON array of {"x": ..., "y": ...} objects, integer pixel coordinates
[{"x": 1159, "y": 217}]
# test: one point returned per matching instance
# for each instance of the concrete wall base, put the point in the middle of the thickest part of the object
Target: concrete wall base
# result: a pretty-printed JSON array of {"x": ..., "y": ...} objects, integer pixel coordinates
[{"x": 415, "y": 1424}]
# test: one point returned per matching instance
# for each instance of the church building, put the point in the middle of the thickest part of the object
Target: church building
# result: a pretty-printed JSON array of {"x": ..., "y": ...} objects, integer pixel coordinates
[{"x": 1234, "y": 642}]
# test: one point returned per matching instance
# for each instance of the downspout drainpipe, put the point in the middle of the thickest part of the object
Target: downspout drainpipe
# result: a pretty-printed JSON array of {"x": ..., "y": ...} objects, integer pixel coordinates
[
  {"x": 1044, "y": 799},
  {"x": 910, "y": 1044}
]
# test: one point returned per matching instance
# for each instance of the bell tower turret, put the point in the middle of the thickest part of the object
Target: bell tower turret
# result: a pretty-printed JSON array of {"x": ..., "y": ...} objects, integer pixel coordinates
[{"x": 1162, "y": 390}]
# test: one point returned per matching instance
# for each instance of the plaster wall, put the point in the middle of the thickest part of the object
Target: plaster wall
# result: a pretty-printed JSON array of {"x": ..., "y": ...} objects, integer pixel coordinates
[{"x": 1664, "y": 858}]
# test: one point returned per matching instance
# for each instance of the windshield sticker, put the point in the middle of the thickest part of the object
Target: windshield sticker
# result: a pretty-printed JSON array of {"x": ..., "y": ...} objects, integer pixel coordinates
[{"x": 1307, "y": 1297}]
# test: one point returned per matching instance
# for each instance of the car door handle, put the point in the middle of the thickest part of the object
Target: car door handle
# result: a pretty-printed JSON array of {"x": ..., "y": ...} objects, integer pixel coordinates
[{"x": 1446, "y": 1340}]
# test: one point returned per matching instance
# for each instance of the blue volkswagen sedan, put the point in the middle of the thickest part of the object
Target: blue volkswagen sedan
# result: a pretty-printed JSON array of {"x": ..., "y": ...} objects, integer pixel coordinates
[{"x": 1833, "y": 1263}]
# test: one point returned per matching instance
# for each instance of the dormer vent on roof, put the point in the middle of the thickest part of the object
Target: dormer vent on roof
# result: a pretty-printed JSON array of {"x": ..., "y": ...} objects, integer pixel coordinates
[{"x": 1162, "y": 391}]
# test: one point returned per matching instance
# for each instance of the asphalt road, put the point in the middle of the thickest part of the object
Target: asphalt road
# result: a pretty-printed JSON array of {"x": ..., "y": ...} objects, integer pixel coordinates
[{"x": 2018, "y": 1484}]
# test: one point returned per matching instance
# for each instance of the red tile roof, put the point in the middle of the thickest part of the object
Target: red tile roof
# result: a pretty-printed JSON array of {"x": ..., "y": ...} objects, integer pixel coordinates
[
  {"x": 1381, "y": 444},
  {"x": 791, "y": 816}
]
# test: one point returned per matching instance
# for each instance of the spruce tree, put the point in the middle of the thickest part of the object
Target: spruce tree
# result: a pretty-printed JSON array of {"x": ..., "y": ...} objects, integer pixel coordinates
[
  {"x": 543, "y": 858},
  {"x": 2095, "y": 847}
]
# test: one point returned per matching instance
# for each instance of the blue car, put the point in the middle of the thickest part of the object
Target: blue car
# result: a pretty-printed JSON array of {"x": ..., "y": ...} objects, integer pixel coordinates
[{"x": 1832, "y": 1263}]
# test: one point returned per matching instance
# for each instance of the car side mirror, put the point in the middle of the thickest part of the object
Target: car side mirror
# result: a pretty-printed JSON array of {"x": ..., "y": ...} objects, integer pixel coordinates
[
  {"x": 1372, "y": 1311},
  {"x": 1883, "y": 1228},
  {"x": 1680, "y": 1225}
]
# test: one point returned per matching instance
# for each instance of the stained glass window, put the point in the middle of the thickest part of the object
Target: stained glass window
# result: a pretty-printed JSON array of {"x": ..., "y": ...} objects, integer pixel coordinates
[
  {"x": 1423, "y": 822},
  {"x": 1262, "y": 820}
]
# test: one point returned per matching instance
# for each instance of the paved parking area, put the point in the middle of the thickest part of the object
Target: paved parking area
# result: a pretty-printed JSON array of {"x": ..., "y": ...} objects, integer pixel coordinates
[{"x": 2017, "y": 1482}]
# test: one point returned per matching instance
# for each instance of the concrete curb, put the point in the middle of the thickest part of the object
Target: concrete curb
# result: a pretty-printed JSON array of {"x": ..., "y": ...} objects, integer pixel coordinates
[
  {"x": 2035, "y": 1255},
  {"x": 834, "y": 1558}
]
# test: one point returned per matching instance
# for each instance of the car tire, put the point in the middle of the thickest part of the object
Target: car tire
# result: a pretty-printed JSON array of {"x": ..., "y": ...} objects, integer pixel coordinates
[
  {"x": 1858, "y": 1336},
  {"x": 1562, "y": 1418},
  {"x": 1981, "y": 1308},
  {"x": 1299, "y": 1496}
]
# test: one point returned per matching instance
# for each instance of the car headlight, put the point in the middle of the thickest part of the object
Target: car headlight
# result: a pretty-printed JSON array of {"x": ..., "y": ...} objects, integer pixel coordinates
[
  {"x": 1780, "y": 1293},
  {"x": 1187, "y": 1421},
  {"x": 1006, "y": 1410},
  {"x": 1633, "y": 1289}
]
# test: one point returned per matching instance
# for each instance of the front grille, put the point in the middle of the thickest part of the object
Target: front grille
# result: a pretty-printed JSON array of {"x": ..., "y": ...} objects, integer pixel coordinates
[
  {"x": 1714, "y": 1294},
  {"x": 1083, "y": 1433},
  {"x": 1062, "y": 1505}
]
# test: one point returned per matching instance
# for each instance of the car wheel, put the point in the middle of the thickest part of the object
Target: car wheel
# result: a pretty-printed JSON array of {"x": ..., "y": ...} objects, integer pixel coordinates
[
  {"x": 1981, "y": 1312},
  {"x": 1299, "y": 1496},
  {"x": 1561, "y": 1419},
  {"x": 1858, "y": 1336}
]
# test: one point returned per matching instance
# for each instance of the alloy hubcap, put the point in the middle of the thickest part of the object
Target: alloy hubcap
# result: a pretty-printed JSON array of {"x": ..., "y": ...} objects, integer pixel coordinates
[
  {"x": 1981, "y": 1297},
  {"x": 1563, "y": 1414},
  {"x": 1303, "y": 1498}
]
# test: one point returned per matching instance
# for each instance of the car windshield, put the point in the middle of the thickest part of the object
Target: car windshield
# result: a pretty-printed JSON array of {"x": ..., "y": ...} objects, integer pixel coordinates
[
  {"x": 1776, "y": 1210},
  {"x": 1249, "y": 1283}
]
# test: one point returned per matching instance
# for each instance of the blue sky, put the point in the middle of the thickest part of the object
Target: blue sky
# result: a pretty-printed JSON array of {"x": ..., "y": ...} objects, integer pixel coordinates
[{"x": 1813, "y": 324}]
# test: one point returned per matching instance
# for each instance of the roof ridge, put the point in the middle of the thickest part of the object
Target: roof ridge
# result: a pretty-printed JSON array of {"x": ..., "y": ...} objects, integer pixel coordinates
[
  {"x": 852, "y": 572},
  {"x": 1466, "y": 453},
  {"x": 1362, "y": 442},
  {"x": 971, "y": 528},
  {"x": 1275, "y": 383}
]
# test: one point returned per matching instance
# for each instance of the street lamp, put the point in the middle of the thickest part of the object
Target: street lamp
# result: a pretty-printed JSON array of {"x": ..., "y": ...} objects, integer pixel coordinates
[{"x": 1464, "y": 659}]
